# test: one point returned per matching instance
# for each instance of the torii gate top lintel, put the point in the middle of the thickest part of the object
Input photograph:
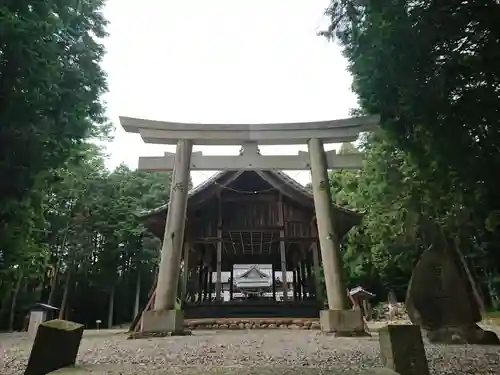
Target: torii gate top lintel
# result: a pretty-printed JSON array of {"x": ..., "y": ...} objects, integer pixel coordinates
[{"x": 333, "y": 131}]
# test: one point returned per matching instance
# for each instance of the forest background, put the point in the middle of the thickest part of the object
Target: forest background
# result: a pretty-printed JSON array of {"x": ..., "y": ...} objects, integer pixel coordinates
[{"x": 68, "y": 231}]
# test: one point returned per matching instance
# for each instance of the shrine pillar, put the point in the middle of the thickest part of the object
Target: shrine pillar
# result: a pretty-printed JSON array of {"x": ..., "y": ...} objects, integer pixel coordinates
[
  {"x": 218, "y": 280},
  {"x": 164, "y": 317},
  {"x": 283, "y": 257},
  {"x": 338, "y": 318}
]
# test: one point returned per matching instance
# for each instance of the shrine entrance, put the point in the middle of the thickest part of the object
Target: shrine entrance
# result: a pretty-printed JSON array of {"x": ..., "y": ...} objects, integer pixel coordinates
[{"x": 250, "y": 213}]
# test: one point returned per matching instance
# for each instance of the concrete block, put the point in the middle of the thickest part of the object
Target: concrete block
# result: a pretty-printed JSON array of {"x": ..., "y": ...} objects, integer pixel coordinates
[
  {"x": 348, "y": 322},
  {"x": 171, "y": 321},
  {"x": 402, "y": 349},
  {"x": 56, "y": 346}
]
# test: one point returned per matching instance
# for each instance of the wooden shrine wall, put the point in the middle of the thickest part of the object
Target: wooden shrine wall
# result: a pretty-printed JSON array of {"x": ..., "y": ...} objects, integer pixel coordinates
[{"x": 259, "y": 212}]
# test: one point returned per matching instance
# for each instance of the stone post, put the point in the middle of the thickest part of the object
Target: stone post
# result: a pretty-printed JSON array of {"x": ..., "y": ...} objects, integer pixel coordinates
[
  {"x": 402, "y": 349},
  {"x": 55, "y": 346},
  {"x": 338, "y": 318},
  {"x": 164, "y": 317}
]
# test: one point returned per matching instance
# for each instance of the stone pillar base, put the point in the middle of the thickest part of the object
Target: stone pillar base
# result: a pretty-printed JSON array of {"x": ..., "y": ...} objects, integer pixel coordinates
[
  {"x": 472, "y": 334},
  {"x": 343, "y": 322},
  {"x": 163, "y": 321}
]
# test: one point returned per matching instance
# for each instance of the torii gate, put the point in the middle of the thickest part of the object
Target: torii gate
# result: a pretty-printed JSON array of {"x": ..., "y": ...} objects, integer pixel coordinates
[{"x": 164, "y": 318}]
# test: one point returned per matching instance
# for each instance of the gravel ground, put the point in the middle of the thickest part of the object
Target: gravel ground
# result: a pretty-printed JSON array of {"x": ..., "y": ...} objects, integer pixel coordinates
[{"x": 244, "y": 353}]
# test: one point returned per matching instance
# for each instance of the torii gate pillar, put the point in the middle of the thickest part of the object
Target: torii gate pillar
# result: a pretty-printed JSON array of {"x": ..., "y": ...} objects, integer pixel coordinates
[
  {"x": 338, "y": 318},
  {"x": 164, "y": 317}
]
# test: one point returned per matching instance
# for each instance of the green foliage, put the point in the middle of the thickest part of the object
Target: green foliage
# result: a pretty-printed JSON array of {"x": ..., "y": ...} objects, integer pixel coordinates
[
  {"x": 50, "y": 88},
  {"x": 430, "y": 71},
  {"x": 382, "y": 251},
  {"x": 66, "y": 223},
  {"x": 89, "y": 235}
]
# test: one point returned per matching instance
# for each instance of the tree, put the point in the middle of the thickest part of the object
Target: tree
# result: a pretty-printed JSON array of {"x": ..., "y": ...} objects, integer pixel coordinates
[
  {"x": 435, "y": 100},
  {"x": 50, "y": 89},
  {"x": 91, "y": 248}
]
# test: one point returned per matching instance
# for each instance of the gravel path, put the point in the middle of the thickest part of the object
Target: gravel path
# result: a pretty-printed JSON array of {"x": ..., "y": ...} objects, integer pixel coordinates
[{"x": 244, "y": 353}]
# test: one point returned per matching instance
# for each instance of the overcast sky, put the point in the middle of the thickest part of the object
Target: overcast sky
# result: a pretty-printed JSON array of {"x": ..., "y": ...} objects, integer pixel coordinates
[{"x": 226, "y": 61}]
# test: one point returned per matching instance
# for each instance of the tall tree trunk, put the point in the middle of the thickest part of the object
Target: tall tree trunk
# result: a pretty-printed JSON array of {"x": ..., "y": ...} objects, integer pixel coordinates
[
  {"x": 53, "y": 283},
  {"x": 13, "y": 303},
  {"x": 64, "y": 301},
  {"x": 111, "y": 306},
  {"x": 137, "y": 294}
]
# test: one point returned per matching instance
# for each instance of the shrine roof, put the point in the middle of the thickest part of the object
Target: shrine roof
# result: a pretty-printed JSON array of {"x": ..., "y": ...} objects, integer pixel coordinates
[
  {"x": 278, "y": 179},
  {"x": 257, "y": 270}
]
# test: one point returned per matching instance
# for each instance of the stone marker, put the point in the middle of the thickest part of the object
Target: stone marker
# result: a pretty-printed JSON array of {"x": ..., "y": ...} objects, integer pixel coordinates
[
  {"x": 56, "y": 345},
  {"x": 402, "y": 349},
  {"x": 440, "y": 299}
]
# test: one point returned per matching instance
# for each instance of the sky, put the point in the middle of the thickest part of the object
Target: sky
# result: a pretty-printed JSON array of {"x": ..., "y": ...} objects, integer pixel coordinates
[{"x": 224, "y": 61}]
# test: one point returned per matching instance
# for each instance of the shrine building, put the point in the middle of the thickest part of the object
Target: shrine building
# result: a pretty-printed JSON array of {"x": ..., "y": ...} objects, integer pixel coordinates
[{"x": 263, "y": 224}]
